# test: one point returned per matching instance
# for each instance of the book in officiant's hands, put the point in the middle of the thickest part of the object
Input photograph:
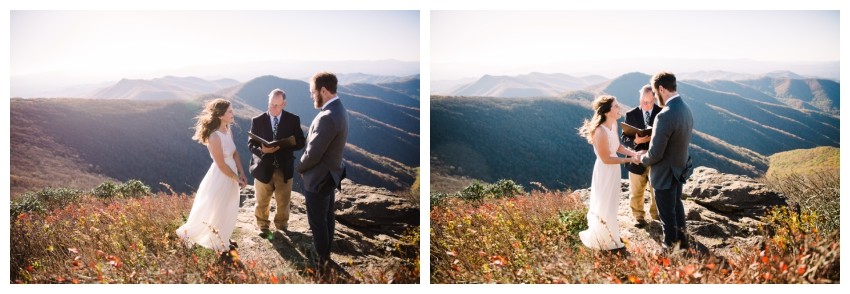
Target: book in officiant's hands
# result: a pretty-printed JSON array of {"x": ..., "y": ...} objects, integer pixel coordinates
[
  {"x": 630, "y": 130},
  {"x": 285, "y": 142}
]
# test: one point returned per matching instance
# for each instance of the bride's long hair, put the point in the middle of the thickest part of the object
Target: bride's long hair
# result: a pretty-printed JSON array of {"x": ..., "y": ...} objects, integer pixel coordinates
[
  {"x": 210, "y": 119},
  {"x": 601, "y": 106}
]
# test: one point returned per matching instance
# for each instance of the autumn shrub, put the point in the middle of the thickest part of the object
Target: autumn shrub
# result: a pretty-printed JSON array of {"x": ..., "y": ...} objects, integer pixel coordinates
[
  {"x": 533, "y": 239},
  {"x": 132, "y": 240},
  {"x": 793, "y": 238},
  {"x": 120, "y": 241},
  {"x": 816, "y": 192},
  {"x": 497, "y": 240}
]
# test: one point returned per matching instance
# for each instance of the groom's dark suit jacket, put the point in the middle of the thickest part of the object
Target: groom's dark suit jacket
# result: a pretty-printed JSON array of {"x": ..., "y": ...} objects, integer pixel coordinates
[
  {"x": 668, "y": 149},
  {"x": 635, "y": 118},
  {"x": 322, "y": 160},
  {"x": 262, "y": 165}
]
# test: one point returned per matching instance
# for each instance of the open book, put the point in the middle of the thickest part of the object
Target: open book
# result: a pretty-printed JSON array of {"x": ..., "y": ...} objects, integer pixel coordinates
[
  {"x": 630, "y": 130},
  {"x": 285, "y": 142}
]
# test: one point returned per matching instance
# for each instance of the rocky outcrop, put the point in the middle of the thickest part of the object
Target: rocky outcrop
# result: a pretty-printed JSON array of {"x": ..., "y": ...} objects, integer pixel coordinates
[
  {"x": 730, "y": 194},
  {"x": 368, "y": 234},
  {"x": 375, "y": 209},
  {"x": 721, "y": 210}
]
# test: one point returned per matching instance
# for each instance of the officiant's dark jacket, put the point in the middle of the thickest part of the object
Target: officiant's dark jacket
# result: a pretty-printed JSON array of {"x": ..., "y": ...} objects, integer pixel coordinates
[
  {"x": 635, "y": 118},
  {"x": 262, "y": 165}
]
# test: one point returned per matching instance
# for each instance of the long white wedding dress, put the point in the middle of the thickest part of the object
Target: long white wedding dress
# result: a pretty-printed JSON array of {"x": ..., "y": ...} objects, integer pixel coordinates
[
  {"x": 213, "y": 215},
  {"x": 603, "y": 231}
]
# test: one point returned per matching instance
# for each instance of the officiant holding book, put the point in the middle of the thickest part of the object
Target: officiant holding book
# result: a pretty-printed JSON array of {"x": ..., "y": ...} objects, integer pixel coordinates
[
  {"x": 640, "y": 117},
  {"x": 272, "y": 166}
]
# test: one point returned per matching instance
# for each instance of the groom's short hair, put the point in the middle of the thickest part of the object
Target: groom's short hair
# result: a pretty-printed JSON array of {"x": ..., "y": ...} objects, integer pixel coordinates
[
  {"x": 664, "y": 79},
  {"x": 324, "y": 79},
  {"x": 274, "y": 92}
]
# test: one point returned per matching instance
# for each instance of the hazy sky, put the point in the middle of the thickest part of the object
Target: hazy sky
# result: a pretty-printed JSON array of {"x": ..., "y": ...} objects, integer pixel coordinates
[
  {"x": 118, "y": 43},
  {"x": 467, "y": 43}
]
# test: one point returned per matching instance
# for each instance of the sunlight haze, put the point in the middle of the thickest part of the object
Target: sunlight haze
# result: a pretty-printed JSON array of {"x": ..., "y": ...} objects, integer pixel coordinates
[
  {"x": 97, "y": 46},
  {"x": 473, "y": 43}
]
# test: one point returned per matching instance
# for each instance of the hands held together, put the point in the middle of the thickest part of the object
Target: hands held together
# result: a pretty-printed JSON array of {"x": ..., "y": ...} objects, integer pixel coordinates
[
  {"x": 635, "y": 159},
  {"x": 241, "y": 179}
]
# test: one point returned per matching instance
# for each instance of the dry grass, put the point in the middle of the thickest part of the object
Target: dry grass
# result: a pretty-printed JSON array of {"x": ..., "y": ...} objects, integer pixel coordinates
[
  {"x": 132, "y": 240},
  {"x": 533, "y": 239}
]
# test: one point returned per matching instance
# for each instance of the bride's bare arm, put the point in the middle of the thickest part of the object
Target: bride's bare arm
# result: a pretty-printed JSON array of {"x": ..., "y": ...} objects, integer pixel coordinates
[
  {"x": 600, "y": 143},
  {"x": 626, "y": 151},
  {"x": 214, "y": 146},
  {"x": 242, "y": 178}
]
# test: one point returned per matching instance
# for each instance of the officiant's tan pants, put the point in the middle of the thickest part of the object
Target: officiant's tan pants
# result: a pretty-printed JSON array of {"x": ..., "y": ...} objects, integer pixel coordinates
[
  {"x": 282, "y": 191},
  {"x": 637, "y": 187}
]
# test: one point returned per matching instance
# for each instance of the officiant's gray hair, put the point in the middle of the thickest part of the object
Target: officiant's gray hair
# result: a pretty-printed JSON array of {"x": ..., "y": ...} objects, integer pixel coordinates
[
  {"x": 275, "y": 91},
  {"x": 645, "y": 89}
]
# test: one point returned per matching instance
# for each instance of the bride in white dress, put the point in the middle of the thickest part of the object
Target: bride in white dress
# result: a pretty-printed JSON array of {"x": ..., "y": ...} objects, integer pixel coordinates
[
  {"x": 601, "y": 131},
  {"x": 213, "y": 215}
]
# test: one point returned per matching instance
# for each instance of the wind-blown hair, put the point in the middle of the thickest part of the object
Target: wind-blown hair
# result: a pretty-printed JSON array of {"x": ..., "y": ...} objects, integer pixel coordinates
[
  {"x": 601, "y": 106},
  {"x": 210, "y": 119}
]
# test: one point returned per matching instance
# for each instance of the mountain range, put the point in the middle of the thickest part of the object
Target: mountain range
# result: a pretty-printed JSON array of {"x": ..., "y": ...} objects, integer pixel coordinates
[
  {"x": 531, "y": 85},
  {"x": 166, "y": 88},
  {"x": 124, "y": 135},
  {"x": 737, "y": 126}
]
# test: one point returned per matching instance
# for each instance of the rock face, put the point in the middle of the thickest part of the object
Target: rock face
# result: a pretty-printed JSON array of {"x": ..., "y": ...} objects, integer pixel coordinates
[
  {"x": 370, "y": 224},
  {"x": 721, "y": 209},
  {"x": 730, "y": 194}
]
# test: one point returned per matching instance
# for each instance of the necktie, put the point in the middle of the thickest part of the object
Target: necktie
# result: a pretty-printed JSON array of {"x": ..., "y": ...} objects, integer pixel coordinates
[
  {"x": 274, "y": 135},
  {"x": 646, "y": 118},
  {"x": 274, "y": 128}
]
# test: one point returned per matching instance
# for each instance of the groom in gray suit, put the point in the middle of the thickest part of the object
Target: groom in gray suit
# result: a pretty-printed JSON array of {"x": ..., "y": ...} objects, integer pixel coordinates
[
  {"x": 668, "y": 158},
  {"x": 321, "y": 166}
]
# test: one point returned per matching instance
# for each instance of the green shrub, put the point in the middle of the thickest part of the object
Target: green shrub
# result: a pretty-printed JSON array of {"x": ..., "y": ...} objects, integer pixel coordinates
[
  {"x": 574, "y": 221},
  {"x": 438, "y": 199},
  {"x": 134, "y": 189},
  {"x": 46, "y": 199},
  {"x": 105, "y": 190},
  {"x": 504, "y": 189},
  {"x": 474, "y": 192}
]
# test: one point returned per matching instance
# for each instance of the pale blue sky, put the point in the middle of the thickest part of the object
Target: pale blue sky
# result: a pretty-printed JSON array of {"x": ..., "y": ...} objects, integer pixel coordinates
[
  {"x": 512, "y": 42},
  {"x": 105, "y": 43}
]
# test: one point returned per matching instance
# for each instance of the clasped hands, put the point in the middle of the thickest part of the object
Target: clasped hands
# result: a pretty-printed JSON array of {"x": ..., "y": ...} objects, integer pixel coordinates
[
  {"x": 243, "y": 181},
  {"x": 635, "y": 159}
]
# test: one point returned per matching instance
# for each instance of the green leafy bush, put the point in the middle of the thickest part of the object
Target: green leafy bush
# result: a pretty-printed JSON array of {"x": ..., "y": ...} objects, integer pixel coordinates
[
  {"x": 503, "y": 189},
  {"x": 134, "y": 189},
  {"x": 438, "y": 199},
  {"x": 474, "y": 192},
  {"x": 46, "y": 199},
  {"x": 105, "y": 190}
]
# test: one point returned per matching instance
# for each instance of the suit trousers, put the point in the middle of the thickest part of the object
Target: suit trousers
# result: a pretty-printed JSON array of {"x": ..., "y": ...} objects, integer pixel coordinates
[
  {"x": 637, "y": 186},
  {"x": 672, "y": 213},
  {"x": 282, "y": 190},
  {"x": 322, "y": 217}
]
